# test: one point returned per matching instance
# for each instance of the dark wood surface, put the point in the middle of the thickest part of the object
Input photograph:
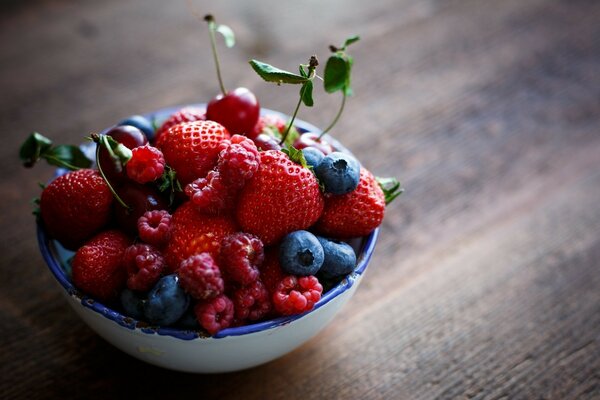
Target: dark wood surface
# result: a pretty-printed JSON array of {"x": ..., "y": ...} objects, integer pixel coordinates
[{"x": 486, "y": 279}]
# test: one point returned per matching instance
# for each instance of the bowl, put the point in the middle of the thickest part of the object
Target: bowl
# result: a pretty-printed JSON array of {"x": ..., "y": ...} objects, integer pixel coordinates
[{"x": 230, "y": 349}]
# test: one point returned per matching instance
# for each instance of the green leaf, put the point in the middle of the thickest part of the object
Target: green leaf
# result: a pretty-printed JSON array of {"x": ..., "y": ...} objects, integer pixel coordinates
[
  {"x": 67, "y": 156},
  {"x": 337, "y": 73},
  {"x": 306, "y": 93},
  {"x": 350, "y": 40},
  {"x": 227, "y": 34},
  {"x": 295, "y": 155},
  {"x": 391, "y": 188},
  {"x": 273, "y": 74},
  {"x": 33, "y": 147},
  {"x": 169, "y": 181},
  {"x": 302, "y": 71}
]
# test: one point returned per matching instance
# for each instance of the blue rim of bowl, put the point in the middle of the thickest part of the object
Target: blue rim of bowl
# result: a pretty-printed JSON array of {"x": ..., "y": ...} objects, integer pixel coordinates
[{"x": 46, "y": 247}]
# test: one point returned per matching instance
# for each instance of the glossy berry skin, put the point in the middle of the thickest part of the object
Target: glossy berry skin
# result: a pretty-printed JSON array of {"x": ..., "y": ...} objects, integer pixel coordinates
[
  {"x": 313, "y": 156},
  {"x": 75, "y": 206},
  {"x": 131, "y": 137},
  {"x": 200, "y": 276},
  {"x": 133, "y": 303},
  {"x": 140, "y": 199},
  {"x": 265, "y": 142},
  {"x": 215, "y": 314},
  {"x": 301, "y": 253},
  {"x": 167, "y": 301},
  {"x": 238, "y": 111},
  {"x": 281, "y": 197},
  {"x": 147, "y": 164},
  {"x": 192, "y": 148},
  {"x": 340, "y": 258},
  {"x": 310, "y": 139},
  {"x": 186, "y": 114},
  {"x": 142, "y": 123},
  {"x": 98, "y": 268},
  {"x": 193, "y": 232},
  {"x": 295, "y": 295},
  {"x": 356, "y": 213},
  {"x": 338, "y": 172}
]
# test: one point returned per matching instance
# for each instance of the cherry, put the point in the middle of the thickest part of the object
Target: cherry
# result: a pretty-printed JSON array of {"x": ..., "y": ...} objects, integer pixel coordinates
[
  {"x": 266, "y": 142},
  {"x": 238, "y": 111},
  {"x": 310, "y": 139},
  {"x": 139, "y": 198},
  {"x": 131, "y": 137}
]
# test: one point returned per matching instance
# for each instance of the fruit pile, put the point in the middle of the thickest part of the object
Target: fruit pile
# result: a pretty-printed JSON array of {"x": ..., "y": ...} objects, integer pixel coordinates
[{"x": 215, "y": 217}]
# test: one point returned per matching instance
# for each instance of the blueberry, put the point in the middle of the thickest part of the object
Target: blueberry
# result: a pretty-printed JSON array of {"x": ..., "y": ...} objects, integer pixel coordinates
[
  {"x": 167, "y": 301},
  {"x": 133, "y": 304},
  {"x": 340, "y": 258},
  {"x": 189, "y": 320},
  {"x": 338, "y": 172},
  {"x": 301, "y": 253},
  {"x": 312, "y": 156},
  {"x": 142, "y": 123}
]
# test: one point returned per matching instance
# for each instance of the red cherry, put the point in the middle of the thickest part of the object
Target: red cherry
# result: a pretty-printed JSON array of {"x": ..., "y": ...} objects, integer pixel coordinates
[
  {"x": 131, "y": 137},
  {"x": 310, "y": 139},
  {"x": 237, "y": 111},
  {"x": 139, "y": 198},
  {"x": 266, "y": 142}
]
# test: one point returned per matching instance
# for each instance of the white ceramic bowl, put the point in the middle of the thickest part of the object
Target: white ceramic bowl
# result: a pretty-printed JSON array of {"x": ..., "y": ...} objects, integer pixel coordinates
[{"x": 190, "y": 351}]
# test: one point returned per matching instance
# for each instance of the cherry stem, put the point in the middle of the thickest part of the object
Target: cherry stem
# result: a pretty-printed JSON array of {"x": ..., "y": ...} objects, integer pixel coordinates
[
  {"x": 213, "y": 44},
  {"x": 99, "y": 143},
  {"x": 337, "y": 117}
]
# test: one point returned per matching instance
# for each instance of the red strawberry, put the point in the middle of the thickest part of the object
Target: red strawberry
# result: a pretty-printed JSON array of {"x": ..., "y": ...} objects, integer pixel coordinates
[
  {"x": 98, "y": 268},
  {"x": 356, "y": 213},
  {"x": 186, "y": 114},
  {"x": 281, "y": 197},
  {"x": 193, "y": 233},
  {"x": 75, "y": 206},
  {"x": 192, "y": 148}
]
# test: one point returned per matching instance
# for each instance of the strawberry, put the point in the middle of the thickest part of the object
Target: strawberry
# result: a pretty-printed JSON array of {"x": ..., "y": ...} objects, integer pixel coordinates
[
  {"x": 75, "y": 206},
  {"x": 192, "y": 148},
  {"x": 356, "y": 213},
  {"x": 193, "y": 233},
  {"x": 281, "y": 197},
  {"x": 98, "y": 267},
  {"x": 186, "y": 114}
]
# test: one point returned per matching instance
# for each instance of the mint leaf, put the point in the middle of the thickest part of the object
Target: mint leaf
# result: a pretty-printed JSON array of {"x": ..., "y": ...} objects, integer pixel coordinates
[
  {"x": 273, "y": 74},
  {"x": 227, "y": 34},
  {"x": 337, "y": 73},
  {"x": 32, "y": 148},
  {"x": 306, "y": 93},
  {"x": 350, "y": 40}
]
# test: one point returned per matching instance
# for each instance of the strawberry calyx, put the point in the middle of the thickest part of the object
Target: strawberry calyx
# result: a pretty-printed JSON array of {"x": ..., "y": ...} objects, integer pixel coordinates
[{"x": 391, "y": 188}]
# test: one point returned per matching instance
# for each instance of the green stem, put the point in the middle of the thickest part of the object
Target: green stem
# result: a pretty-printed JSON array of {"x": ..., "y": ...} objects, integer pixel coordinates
[
  {"x": 291, "y": 123},
  {"x": 337, "y": 117},
  {"x": 116, "y": 196},
  {"x": 213, "y": 45},
  {"x": 61, "y": 163}
]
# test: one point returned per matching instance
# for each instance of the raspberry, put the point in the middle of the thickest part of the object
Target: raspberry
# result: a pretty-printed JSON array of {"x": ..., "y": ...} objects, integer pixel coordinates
[
  {"x": 238, "y": 161},
  {"x": 200, "y": 276},
  {"x": 215, "y": 314},
  {"x": 147, "y": 164},
  {"x": 209, "y": 194},
  {"x": 241, "y": 254},
  {"x": 270, "y": 270},
  {"x": 144, "y": 265},
  {"x": 251, "y": 302},
  {"x": 295, "y": 295},
  {"x": 154, "y": 227}
]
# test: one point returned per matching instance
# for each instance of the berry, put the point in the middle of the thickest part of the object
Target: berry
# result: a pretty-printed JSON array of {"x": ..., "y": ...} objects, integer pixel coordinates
[
  {"x": 140, "y": 199},
  {"x": 238, "y": 111},
  {"x": 75, "y": 206},
  {"x": 265, "y": 142},
  {"x": 251, "y": 302},
  {"x": 129, "y": 136},
  {"x": 133, "y": 303},
  {"x": 310, "y": 139},
  {"x": 142, "y": 123},
  {"x": 215, "y": 314},
  {"x": 209, "y": 195},
  {"x": 154, "y": 227},
  {"x": 98, "y": 268},
  {"x": 271, "y": 125},
  {"x": 200, "y": 276},
  {"x": 295, "y": 295},
  {"x": 356, "y": 213},
  {"x": 300, "y": 253},
  {"x": 313, "y": 156},
  {"x": 338, "y": 172},
  {"x": 241, "y": 254},
  {"x": 144, "y": 265},
  {"x": 281, "y": 197},
  {"x": 238, "y": 161},
  {"x": 270, "y": 270},
  {"x": 147, "y": 164},
  {"x": 192, "y": 148},
  {"x": 167, "y": 301},
  {"x": 193, "y": 232},
  {"x": 189, "y": 320},
  {"x": 340, "y": 258},
  {"x": 186, "y": 114}
]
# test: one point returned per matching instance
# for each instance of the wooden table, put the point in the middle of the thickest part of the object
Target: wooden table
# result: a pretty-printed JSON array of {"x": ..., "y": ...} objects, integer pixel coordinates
[{"x": 486, "y": 280}]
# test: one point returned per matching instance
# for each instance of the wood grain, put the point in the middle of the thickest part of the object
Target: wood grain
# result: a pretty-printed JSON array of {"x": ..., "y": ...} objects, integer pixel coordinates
[{"x": 485, "y": 281}]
